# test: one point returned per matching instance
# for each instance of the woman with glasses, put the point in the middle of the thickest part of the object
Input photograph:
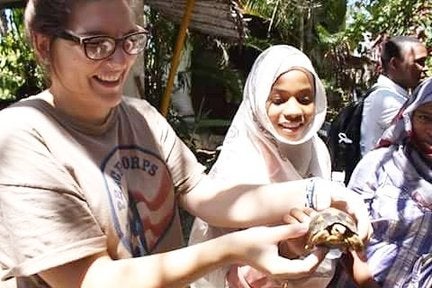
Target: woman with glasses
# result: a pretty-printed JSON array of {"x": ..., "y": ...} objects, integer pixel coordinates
[
  {"x": 90, "y": 180},
  {"x": 395, "y": 181}
]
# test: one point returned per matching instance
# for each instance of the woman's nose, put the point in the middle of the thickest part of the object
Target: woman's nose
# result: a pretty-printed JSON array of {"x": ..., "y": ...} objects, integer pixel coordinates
[
  {"x": 119, "y": 56},
  {"x": 292, "y": 108}
]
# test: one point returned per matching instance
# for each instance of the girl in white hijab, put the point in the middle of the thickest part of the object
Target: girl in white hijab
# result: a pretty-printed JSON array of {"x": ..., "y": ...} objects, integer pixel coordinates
[{"x": 272, "y": 138}]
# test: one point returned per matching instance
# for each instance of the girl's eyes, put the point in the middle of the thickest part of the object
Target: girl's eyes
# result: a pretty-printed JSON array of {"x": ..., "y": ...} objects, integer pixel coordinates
[
  {"x": 277, "y": 100},
  {"x": 302, "y": 99},
  {"x": 305, "y": 100}
]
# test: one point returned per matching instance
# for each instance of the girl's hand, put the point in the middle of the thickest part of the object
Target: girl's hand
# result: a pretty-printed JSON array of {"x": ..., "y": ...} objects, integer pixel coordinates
[
  {"x": 323, "y": 193},
  {"x": 295, "y": 247}
]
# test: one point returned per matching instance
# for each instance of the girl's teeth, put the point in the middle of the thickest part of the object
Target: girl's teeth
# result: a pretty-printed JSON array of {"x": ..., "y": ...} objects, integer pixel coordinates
[
  {"x": 109, "y": 78},
  {"x": 291, "y": 125}
]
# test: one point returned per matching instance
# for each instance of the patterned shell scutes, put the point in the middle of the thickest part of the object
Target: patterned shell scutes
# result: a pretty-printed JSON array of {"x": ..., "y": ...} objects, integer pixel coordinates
[{"x": 333, "y": 228}]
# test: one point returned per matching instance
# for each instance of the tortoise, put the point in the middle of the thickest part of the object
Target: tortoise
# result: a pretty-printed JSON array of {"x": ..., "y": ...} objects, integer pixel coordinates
[{"x": 333, "y": 228}]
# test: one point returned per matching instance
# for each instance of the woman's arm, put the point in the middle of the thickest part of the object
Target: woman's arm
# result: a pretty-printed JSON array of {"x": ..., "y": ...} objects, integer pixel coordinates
[
  {"x": 251, "y": 205},
  {"x": 255, "y": 246},
  {"x": 243, "y": 205}
]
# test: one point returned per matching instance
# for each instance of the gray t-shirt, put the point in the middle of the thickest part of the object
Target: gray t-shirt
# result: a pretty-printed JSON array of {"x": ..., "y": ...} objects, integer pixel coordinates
[{"x": 69, "y": 190}]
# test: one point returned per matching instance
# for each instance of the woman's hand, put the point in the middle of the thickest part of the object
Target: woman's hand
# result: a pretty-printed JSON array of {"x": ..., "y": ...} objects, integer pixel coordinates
[{"x": 258, "y": 247}]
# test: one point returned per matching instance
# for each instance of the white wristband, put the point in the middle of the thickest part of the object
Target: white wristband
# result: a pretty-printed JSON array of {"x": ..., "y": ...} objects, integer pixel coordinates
[
  {"x": 310, "y": 194},
  {"x": 318, "y": 193}
]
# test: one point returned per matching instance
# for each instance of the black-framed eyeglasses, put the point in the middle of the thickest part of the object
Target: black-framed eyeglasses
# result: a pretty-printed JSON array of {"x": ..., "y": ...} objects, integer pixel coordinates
[{"x": 100, "y": 47}]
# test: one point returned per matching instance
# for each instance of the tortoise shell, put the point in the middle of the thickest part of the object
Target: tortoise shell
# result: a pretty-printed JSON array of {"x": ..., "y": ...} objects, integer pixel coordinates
[{"x": 333, "y": 228}]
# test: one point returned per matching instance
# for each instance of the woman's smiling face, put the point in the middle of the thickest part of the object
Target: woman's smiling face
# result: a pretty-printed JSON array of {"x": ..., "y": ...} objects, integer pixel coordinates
[
  {"x": 93, "y": 86},
  {"x": 291, "y": 104}
]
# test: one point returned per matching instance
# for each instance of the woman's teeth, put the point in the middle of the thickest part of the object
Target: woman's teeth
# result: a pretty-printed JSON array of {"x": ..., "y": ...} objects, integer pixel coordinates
[{"x": 106, "y": 78}]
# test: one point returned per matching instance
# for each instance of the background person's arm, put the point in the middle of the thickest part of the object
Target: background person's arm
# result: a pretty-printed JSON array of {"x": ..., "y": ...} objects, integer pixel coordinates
[{"x": 357, "y": 268}]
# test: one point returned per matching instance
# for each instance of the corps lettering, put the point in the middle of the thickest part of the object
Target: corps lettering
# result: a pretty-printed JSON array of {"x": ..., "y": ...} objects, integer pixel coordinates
[{"x": 132, "y": 163}]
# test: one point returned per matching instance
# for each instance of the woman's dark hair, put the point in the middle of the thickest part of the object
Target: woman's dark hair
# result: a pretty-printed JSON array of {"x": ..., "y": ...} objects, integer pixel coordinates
[{"x": 48, "y": 17}]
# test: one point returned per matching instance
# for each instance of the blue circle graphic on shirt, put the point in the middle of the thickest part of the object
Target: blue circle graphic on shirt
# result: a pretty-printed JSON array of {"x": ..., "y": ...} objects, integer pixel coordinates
[{"x": 141, "y": 196}]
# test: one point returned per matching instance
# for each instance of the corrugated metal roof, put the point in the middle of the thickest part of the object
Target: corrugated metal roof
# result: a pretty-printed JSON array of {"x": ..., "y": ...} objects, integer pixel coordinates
[{"x": 214, "y": 17}]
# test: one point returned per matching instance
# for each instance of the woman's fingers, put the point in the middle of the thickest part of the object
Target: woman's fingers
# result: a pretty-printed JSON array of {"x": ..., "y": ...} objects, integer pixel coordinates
[
  {"x": 286, "y": 269},
  {"x": 263, "y": 253},
  {"x": 289, "y": 231}
]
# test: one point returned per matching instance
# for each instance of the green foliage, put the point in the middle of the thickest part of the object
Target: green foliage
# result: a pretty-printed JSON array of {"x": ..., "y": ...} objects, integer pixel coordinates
[
  {"x": 392, "y": 17},
  {"x": 379, "y": 18},
  {"x": 19, "y": 72},
  {"x": 158, "y": 55},
  {"x": 211, "y": 66},
  {"x": 324, "y": 29},
  {"x": 332, "y": 15}
]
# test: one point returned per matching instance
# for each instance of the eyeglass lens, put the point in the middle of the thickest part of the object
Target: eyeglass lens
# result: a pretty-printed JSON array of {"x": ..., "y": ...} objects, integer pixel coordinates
[{"x": 103, "y": 46}]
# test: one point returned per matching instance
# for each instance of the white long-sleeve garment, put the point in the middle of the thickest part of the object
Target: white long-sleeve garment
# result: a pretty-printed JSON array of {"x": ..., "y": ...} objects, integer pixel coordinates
[
  {"x": 254, "y": 153},
  {"x": 379, "y": 109}
]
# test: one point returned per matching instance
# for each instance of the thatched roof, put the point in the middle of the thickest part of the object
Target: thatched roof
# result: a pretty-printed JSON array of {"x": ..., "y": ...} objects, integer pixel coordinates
[
  {"x": 214, "y": 17},
  {"x": 11, "y": 3}
]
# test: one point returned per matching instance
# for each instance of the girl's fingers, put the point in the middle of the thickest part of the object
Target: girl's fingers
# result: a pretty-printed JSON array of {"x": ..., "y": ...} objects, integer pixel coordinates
[
  {"x": 300, "y": 215},
  {"x": 288, "y": 219}
]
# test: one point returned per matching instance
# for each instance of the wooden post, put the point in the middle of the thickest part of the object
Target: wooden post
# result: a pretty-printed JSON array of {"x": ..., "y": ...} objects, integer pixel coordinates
[{"x": 176, "y": 57}]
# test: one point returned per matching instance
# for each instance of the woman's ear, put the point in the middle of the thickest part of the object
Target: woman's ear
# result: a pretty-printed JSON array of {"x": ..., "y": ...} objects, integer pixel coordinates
[{"x": 42, "y": 45}]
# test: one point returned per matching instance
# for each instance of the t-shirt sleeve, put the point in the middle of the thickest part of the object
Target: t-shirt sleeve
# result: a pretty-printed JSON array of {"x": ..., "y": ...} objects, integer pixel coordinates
[
  {"x": 45, "y": 221},
  {"x": 184, "y": 167}
]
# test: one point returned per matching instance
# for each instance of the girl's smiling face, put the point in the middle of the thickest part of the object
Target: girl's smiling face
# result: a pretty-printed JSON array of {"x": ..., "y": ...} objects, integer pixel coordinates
[{"x": 291, "y": 104}]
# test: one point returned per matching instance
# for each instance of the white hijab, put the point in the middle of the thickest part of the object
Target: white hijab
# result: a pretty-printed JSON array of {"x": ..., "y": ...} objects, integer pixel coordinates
[{"x": 253, "y": 152}]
